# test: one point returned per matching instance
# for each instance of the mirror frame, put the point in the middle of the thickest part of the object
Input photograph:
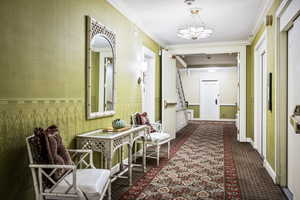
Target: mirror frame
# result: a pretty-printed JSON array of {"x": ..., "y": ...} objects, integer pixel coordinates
[{"x": 93, "y": 28}]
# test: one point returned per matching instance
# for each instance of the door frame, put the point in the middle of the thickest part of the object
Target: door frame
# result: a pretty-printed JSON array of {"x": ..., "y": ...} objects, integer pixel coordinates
[
  {"x": 169, "y": 93},
  {"x": 200, "y": 105},
  {"x": 217, "y": 48},
  {"x": 149, "y": 54},
  {"x": 260, "y": 96},
  {"x": 285, "y": 15}
]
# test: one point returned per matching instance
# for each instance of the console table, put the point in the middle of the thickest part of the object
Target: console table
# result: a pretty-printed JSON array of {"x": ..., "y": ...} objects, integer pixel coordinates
[{"x": 108, "y": 142}]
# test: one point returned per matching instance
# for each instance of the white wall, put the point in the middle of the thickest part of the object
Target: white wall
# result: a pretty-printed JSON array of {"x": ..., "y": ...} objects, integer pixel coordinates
[{"x": 227, "y": 79}]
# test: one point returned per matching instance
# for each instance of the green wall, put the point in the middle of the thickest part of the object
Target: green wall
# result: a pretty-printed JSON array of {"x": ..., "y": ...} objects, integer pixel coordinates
[
  {"x": 42, "y": 77},
  {"x": 226, "y": 111},
  {"x": 196, "y": 109},
  {"x": 271, "y": 40}
]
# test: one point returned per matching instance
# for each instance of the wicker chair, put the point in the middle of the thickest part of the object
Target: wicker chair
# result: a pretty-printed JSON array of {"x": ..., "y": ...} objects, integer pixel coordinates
[
  {"x": 80, "y": 181},
  {"x": 155, "y": 139}
]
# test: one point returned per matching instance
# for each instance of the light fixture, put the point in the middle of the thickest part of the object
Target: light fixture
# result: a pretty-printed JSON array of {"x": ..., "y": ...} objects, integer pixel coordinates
[
  {"x": 189, "y": 2},
  {"x": 143, "y": 69},
  {"x": 195, "y": 30}
]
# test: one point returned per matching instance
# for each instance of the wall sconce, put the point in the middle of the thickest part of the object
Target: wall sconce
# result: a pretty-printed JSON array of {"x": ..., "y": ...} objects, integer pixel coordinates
[{"x": 143, "y": 69}]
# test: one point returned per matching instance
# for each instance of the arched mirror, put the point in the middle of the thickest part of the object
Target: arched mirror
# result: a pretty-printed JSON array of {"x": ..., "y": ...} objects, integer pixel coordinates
[{"x": 100, "y": 70}]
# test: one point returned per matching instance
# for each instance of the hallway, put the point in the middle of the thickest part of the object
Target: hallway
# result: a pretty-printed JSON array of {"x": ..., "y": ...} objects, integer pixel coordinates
[
  {"x": 207, "y": 162},
  {"x": 205, "y": 91}
]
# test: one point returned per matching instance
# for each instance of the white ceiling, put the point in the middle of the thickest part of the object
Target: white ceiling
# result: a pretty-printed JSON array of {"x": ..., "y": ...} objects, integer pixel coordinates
[
  {"x": 211, "y": 60},
  {"x": 232, "y": 20}
]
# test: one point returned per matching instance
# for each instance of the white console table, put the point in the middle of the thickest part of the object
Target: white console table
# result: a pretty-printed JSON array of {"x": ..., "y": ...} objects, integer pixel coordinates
[{"x": 108, "y": 142}]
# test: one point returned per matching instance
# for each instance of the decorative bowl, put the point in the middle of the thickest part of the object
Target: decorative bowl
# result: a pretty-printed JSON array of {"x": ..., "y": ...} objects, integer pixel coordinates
[{"x": 118, "y": 123}]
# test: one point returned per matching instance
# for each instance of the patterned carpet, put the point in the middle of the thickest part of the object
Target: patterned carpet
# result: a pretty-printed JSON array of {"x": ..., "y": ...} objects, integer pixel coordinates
[
  {"x": 205, "y": 164},
  {"x": 254, "y": 180},
  {"x": 195, "y": 170}
]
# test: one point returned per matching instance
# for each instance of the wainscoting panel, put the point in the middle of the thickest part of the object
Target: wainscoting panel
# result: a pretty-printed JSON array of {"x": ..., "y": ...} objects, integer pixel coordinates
[{"x": 18, "y": 118}]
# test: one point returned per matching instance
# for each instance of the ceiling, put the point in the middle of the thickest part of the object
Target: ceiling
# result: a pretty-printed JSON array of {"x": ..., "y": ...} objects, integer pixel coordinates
[
  {"x": 210, "y": 60},
  {"x": 232, "y": 20}
]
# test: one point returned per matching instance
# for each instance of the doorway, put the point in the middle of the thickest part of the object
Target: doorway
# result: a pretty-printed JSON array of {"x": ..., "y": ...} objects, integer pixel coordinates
[
  {"x": 148, "y": 84},
  {"x": 209, "y": 100},
  {"x": 260, "y": 96},
  {"x": 293, "y": 139},
  {"x": 238, "y": 48}
]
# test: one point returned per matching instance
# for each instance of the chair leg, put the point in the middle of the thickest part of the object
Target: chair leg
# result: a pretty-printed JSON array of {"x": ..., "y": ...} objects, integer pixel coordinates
[
  {"x": 157, "y": 154},
  {"x": 135, "y": 151},
  {"x": 168, "y": 150},
  {"x": 109, "y": 190}
]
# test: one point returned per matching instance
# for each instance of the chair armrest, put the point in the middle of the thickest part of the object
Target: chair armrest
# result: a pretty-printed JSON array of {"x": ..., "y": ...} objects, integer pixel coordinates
[
  {"x": 79, "y": 150},
  {"x": 46, "y": 172},
  {"x": 43, "y": 166},
  {"x": 157, "y": 126},
  {"x": 82, "y": 157}
]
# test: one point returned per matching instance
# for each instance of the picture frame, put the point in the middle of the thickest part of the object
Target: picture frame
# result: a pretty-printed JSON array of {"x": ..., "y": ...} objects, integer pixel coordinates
[{"x": 270, "y": 85}]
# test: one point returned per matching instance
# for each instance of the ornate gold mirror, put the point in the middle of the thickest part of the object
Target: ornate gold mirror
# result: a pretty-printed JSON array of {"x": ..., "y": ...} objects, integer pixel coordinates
[{"x": 100, "y": 70}]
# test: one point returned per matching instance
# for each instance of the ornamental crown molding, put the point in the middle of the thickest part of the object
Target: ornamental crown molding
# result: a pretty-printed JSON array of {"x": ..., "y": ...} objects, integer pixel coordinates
[
  {"x": 260, "y": 19},
  {"x": 209, "y": 44}
]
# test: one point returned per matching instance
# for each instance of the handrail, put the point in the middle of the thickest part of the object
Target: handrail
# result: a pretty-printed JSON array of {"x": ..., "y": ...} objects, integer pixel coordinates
[{"x": 181, "y": 89}]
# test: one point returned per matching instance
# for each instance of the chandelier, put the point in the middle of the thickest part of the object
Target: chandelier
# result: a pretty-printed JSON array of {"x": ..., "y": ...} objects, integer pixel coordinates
[{"x": 196, "y": 29}]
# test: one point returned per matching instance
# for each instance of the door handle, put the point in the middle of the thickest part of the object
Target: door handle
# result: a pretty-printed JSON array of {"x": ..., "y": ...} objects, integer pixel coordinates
[
  {"x": 295, "y": 119},
  {"x": 166, "y": 103},
  {"x": 216, "y": 101}
]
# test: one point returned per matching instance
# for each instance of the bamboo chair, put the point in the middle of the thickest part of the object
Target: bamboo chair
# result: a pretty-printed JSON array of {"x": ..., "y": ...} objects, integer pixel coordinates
[{"x": 81, "y": 181}]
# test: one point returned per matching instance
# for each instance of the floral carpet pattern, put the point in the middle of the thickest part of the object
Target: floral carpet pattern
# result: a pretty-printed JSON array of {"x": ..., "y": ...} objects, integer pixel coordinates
[{"x": 201, "y": 167}]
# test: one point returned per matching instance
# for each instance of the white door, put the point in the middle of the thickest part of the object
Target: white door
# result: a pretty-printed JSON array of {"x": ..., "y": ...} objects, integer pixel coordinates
[
  {"x": 293, "y": 146},
  {"x": 209, "y": 100},
  {"x": 148, "y": 85},
  {"x": 260, "y": 97},
  {"x": 169, "y": 98},
  {"x": 263, "y": 135}
]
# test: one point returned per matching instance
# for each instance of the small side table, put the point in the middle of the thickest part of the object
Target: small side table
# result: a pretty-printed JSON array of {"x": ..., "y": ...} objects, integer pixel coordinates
[{"x": 108, "y": 142}]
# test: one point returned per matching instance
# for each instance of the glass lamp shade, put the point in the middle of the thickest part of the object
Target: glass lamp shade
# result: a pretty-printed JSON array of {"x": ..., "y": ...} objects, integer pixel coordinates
[{"x": 194, "y": 32}]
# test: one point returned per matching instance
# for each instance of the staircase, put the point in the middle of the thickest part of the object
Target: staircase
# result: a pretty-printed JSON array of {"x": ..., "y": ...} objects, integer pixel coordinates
[
  {"x": 180, "y": 93},
  {"x": 181, "y": 109}
]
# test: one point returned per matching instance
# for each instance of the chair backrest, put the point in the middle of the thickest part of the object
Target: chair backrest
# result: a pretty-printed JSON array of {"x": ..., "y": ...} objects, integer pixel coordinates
[
  {"x": 29, "y": 144},
  {"x": 33, "y": 160},
  {"x": 133, "y": 119},
  {"x": 135, "y": 123}
]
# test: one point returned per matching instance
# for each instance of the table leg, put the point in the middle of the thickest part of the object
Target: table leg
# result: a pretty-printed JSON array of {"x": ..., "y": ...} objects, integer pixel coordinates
[
  {"x": 157, "y": 154},
  {"x": 130, "y": 164},
  {"x": 169, "y": 150},
  {"x": 109, "y": 163},
  {"x": 121, "y": 163}
]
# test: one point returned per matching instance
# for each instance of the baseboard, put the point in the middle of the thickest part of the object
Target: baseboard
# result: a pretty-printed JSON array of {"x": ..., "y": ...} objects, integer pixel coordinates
[
  {"x": 221, "y": 120},
  {"x": 289, "y": 195},
  {"x": 185, "y": 124},
  {"x": 270, "y": 170},
  {"x": 250, "y": 141}
]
